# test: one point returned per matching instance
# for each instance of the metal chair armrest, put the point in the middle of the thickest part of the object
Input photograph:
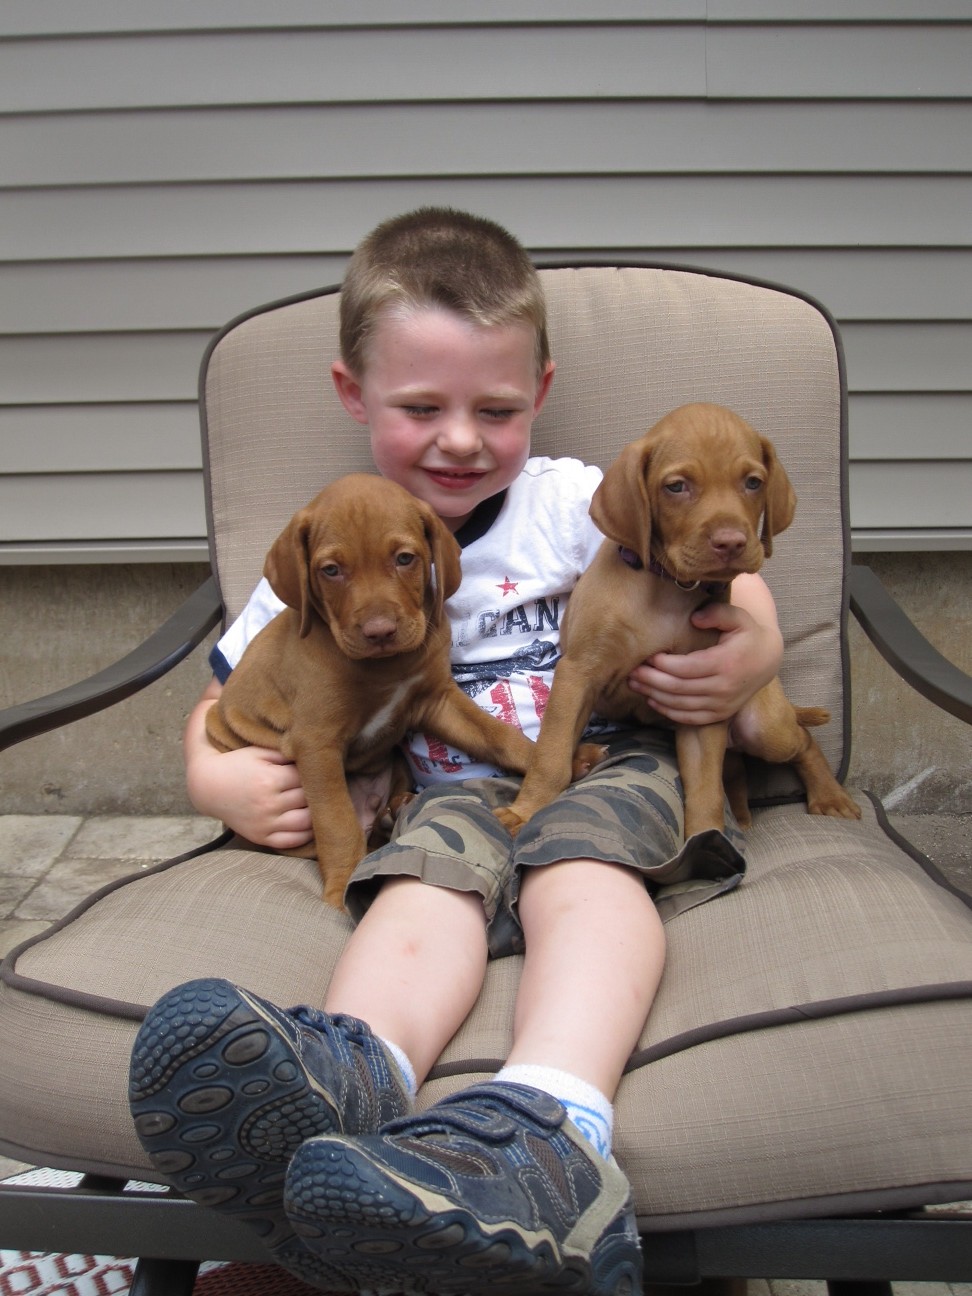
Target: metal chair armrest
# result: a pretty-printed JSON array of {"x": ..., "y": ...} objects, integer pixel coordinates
[
  {"x": 162, "y": 650},
  {"x": 905, "y": 648}
]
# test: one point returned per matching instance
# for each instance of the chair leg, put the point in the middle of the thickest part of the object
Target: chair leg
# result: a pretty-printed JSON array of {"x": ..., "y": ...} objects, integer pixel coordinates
[
  {"x": 704, "y": 1287},
  {"x": 842, "y": 1288},
  {"x": 164, "y": 1278}
]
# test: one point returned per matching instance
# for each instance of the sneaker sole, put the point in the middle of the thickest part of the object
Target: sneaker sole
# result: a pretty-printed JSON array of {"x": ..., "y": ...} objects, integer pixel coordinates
[
  {"x": 364, "y": 1223},
  {"x": 204, "y": 1062}
]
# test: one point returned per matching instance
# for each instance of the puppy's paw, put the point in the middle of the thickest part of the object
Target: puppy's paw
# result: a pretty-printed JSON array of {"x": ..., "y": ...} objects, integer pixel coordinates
[
  {"x": 510, "y": 820},
  {"x": 394, "y": 808},
  {"x": 586, "y": 756},
  {"x": 336, "y": 874},
  {"x": 837, "y": 804},
  {"x": 334, "y": 891},
  {"x": 385, "y": 819}
]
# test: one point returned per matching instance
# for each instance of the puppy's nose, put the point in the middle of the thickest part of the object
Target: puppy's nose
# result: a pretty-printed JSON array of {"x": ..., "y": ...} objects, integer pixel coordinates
[
  {"x": 728, "y": 543},
  {"x": 379, "y": 630}
]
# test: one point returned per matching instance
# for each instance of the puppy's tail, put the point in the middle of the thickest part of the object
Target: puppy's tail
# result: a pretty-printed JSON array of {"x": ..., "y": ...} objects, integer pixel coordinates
[{"x": 810, "y": 717}]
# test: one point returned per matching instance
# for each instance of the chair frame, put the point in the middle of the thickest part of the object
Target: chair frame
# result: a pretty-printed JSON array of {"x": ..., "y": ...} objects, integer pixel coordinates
[{"x": 170, "y": 1236}]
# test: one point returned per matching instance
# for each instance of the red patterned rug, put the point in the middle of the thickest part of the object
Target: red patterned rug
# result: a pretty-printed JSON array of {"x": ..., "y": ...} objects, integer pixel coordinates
[{"x": 32, "y": 1273}]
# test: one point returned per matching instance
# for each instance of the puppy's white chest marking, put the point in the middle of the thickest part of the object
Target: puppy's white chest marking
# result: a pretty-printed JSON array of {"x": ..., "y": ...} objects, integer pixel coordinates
[{"x": 380, "y": 721}]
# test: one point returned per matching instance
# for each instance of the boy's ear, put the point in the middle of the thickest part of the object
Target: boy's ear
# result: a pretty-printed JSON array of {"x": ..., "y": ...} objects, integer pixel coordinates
[
  {"x": 543, "y": 388},
  {"x": 349, "y": 391}
]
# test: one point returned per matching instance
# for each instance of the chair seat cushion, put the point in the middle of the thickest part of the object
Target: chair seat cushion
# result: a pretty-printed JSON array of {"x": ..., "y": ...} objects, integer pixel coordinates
[{"x": 808, "y": 1053}]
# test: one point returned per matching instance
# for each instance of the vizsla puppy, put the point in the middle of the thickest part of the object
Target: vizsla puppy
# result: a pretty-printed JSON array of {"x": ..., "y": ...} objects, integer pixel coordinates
[
  {"x": 359, "y": 656},
  {"x": 689, "y": 506}
]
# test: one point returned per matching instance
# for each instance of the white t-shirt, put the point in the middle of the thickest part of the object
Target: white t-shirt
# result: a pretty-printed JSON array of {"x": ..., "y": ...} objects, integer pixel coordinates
[{"x": 505, "y": 617}]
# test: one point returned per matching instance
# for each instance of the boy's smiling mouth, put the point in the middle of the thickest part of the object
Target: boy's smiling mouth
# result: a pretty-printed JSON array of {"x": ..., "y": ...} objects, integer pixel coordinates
[{"x": 455, "y": 478}]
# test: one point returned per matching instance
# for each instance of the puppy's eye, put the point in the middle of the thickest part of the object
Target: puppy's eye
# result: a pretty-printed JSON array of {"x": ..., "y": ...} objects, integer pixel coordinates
[
  {"x": 754, "y": 483},
  {"x": 405, "y": 559},
  {"x": 331, "y": 571},
  {"x": 676, "y": 487}
]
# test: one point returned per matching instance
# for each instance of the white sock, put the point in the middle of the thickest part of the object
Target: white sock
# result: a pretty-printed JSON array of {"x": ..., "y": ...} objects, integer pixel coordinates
[
  {"x": 404, "y": 1065},
  {"x": 586, "y": 1106}
]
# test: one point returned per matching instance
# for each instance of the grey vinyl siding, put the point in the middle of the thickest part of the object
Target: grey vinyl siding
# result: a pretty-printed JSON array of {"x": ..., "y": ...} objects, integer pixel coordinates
[{"x": 165, "y": 167}]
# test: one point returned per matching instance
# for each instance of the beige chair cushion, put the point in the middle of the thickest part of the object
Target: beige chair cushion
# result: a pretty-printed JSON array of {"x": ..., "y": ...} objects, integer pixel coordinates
[{"x": 808, "y": 1050}]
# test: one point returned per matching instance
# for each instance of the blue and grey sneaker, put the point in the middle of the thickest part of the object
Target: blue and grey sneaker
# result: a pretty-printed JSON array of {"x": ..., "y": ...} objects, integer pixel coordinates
[
  {"x": 492, "y": 1189},
  {"x": 224, "y": 1087}
]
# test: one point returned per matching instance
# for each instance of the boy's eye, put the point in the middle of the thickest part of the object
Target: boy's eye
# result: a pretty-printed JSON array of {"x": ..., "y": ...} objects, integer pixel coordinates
[
  {"x": 420, "y": 411},
  {"x": 498, "y": 415}
]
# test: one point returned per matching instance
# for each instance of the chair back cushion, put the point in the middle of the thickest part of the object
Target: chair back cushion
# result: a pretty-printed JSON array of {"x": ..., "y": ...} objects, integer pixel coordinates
[{"x": 630, "y": 343}]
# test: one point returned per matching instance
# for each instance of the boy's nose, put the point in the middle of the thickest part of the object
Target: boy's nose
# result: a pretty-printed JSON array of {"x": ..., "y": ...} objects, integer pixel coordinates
[{"x": 459, "y": 435}]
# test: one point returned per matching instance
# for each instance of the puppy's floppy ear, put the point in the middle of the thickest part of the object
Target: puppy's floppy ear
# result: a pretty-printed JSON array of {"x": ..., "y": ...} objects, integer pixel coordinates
[
  {"x": 780, "y": 497},
  {"x": 620, "y": 507},
  {"x": 445, "y": 555},
  {"x": 287, "y": 568}
]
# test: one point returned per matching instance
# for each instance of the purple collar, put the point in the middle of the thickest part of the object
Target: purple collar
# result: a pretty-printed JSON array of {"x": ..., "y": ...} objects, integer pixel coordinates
[{"x": 712, "y": 588}]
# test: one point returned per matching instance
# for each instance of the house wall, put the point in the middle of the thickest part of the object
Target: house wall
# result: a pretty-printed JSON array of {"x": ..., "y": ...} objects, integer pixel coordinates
[{"x": 164, "y": 167}]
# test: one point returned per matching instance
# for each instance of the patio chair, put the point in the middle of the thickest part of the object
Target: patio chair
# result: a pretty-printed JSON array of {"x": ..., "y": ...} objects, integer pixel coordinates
[{"x": 803, "y": 1089}]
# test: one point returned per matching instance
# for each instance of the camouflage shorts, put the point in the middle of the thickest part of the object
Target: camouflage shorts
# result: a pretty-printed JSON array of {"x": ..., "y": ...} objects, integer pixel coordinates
[{"x": 628, "y": 811}]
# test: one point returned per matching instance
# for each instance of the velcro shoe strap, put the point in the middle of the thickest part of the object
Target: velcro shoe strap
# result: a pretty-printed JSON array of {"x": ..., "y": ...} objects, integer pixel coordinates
[{"x": 491, "y": 1112}]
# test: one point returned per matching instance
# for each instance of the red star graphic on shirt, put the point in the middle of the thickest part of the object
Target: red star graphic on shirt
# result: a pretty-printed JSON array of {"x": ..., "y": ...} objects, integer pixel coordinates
[{"x": 508, "y": 586}]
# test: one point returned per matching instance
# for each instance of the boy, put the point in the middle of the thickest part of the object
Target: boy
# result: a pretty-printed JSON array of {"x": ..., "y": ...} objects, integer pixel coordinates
[{"x": 511, "y": 1184}]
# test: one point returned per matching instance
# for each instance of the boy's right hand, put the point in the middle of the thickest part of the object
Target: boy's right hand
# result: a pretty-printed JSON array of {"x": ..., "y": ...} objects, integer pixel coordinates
[{"x": 255, "y": 791}]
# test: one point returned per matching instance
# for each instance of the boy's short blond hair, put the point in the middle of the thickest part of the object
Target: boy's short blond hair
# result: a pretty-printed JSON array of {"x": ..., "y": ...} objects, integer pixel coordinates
[{"x": 437, "y": 257}]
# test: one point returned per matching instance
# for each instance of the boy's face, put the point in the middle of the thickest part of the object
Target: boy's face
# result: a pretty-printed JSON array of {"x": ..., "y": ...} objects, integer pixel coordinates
[{"x": 449, "y": 404}]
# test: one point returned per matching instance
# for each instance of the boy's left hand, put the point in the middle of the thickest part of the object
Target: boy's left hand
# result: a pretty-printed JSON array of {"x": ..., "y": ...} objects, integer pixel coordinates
[{"x": 712, "y": 684}]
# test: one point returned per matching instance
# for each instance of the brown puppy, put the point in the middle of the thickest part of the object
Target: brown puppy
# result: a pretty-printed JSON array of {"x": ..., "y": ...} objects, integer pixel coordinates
[
  {"x": 359, "y": 656},
  {"x": 689, "y": 506}
]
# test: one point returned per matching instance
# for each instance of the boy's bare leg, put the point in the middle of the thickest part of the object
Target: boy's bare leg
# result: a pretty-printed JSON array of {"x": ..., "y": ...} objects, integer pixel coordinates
[
  {"x": 413, "y": 967},
  {"x": 454, "y": 1195},
  {"x": 595, "y": 950}
]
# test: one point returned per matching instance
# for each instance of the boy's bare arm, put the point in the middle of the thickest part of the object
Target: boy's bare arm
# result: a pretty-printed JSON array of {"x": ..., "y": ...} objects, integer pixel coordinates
[{"x": 713, "y": 684}]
